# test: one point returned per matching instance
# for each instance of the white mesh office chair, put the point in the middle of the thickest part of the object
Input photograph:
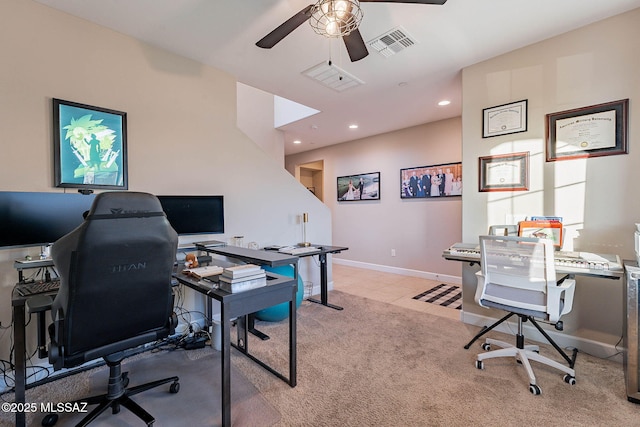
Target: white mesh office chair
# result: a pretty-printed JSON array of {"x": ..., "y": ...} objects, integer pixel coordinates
[{"x": 518, "y": 275}]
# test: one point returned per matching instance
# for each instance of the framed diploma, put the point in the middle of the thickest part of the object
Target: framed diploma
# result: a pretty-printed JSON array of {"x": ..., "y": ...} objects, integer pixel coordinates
[
  {"x": 505, "y": 172},
  {"x": 504, "y": 119},
  {"x": 599, "y": 130}
]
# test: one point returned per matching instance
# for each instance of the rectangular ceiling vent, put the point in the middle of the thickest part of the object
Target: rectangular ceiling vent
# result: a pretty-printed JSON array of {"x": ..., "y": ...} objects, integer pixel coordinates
[
  {"x": 392, "y": 42},
  {"x": 329, "y": 75}
]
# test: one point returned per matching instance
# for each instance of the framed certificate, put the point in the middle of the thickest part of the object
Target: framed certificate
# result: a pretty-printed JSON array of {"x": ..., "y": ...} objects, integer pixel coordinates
[
  {"x": 599, "y": 130},
  {"x": 505, "y": 172},
  {"x": 504, "y": 119}
]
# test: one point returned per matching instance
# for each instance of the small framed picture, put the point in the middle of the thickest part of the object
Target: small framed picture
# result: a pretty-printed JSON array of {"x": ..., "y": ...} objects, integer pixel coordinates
[
  {"x": 505, "y": 172},
  {"x": 599, "y": 130},
  {"x": 90, "y": 146},
  {"x": 434, "y": 181},
  {"x": 364, "y": 186},
  {"x": 504, "y": 119}
]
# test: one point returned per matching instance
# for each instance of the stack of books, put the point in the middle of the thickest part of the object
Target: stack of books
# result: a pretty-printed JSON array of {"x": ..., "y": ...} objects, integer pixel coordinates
[{"x": 243, "y": 277}]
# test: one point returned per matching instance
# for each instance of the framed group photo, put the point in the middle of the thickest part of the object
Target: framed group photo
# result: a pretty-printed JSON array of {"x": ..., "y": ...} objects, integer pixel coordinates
[
  {"x": 434, "y": 181},
  {"x": 90, "y": 146},
  {"x": 365, "y": 186}
]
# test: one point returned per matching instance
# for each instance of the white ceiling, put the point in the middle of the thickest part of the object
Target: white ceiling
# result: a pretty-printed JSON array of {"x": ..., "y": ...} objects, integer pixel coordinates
[{"x": 400, "y": 91}]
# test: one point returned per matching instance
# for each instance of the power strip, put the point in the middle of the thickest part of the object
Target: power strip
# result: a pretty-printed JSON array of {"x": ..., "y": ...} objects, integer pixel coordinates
[{"x": 191, "y": 343}]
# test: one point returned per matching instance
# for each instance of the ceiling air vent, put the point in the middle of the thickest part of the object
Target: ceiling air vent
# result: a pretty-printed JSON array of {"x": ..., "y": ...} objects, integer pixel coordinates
[
  {"x": 332, "y": 76},
  {"x": 392, "y": 42}
]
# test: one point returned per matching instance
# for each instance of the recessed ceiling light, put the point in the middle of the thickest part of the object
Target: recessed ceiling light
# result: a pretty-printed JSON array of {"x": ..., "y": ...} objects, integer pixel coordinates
[
  {"x": 353, "y": 126},
  {"x": 297, "y": 141},
  {"x": 444, "y": 102}
]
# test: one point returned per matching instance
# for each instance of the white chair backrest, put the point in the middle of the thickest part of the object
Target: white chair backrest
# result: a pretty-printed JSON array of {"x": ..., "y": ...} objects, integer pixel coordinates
[{"x": 521, "y": 262}]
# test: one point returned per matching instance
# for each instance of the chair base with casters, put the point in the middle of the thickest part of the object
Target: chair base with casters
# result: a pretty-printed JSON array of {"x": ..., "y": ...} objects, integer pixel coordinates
[
  {"x": 117, "y": 395},
  {"x": 526, "y": 353}
]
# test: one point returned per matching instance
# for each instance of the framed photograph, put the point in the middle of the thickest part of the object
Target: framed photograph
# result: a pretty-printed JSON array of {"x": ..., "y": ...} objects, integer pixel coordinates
[
  {"x": 364, "y": 186},
  {"x": 505, "y": 172},
  {"x": 599, "y": 130},
  {"x": 504, "y": 119},
  {"x": 90, "y": 146},
  {"x": 435, "y": 181}
]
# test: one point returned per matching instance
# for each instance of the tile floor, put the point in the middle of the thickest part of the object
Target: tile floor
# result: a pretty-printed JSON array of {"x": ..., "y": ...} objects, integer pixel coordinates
[{"x": 388, "y": 287}]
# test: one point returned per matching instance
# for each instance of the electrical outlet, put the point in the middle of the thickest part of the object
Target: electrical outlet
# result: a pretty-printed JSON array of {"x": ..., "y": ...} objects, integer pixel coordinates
[{"x": 393, "y": 252}]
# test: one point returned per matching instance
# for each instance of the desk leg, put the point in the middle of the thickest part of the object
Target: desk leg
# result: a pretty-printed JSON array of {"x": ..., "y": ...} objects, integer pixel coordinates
[
  {"x": 20, "y": 365},
  {"x": 324, "y": 292},
  {"x": 225, "y": 369},
  {"x": 292, "y": 342}
]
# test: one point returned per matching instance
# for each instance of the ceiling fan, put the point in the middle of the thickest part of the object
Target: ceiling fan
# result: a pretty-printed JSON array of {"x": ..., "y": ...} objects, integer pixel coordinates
[{"x": 333, "y": 18}]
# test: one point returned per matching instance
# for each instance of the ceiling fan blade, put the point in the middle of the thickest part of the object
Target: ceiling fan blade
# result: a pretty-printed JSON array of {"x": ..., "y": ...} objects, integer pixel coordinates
[
  {"x": 355, "y": 46},
  {"x": 271, "y": 39},
  {"x": 438, "y": 2}
]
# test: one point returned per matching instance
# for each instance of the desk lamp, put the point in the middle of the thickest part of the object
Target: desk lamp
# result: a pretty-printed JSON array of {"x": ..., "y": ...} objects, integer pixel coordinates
[{"x": 305, "y": 220}]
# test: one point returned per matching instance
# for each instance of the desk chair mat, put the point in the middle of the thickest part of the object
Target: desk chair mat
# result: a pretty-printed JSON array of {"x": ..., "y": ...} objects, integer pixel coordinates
[{"x": 197, "y": 403}]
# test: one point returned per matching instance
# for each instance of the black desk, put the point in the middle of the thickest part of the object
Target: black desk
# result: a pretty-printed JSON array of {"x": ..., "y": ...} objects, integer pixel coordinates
[
  {"x": 18, "y": 304},
  {"x": 322, "y": 256},
  {"x": 278, "y": 290},
  {"x": 252, "y": 256}
]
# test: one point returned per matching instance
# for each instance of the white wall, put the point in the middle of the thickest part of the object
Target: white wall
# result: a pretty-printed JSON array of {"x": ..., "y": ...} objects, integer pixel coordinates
[
  {"x": 182, "y": 132},
  {"x": 596, "y": 197},
  {"x": 420, "y": 229},
  {"x": 256, "y": 110}
]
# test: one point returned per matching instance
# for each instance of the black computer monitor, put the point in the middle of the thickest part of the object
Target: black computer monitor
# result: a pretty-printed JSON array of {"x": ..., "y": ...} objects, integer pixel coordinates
[
  {"x": 194, "y": 214},
  {"x": 39, "y": 218}
]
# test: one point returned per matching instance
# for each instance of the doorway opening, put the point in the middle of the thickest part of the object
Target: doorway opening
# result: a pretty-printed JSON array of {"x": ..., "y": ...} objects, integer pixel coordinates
[{"x": 311, "y": 175}]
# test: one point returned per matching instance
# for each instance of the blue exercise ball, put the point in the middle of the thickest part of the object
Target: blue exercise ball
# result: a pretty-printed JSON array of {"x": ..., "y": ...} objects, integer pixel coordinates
[{"x": 280, "y": 311}]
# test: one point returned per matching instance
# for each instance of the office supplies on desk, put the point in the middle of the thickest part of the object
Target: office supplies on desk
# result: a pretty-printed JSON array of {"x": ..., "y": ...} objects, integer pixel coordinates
[
  {"x": 35, "y": 288},
  {"x": 298, "y": 250},
  {"x": 202, "y": 272}
]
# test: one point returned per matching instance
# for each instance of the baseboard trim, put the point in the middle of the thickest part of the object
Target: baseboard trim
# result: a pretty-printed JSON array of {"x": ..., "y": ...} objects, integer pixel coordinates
[
  {"x": 454, "y": 280},
  {"x": 564, "y": 340}
]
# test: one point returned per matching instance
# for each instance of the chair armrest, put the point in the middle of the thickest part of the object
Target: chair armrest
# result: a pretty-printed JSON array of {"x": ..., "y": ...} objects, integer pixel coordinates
[
  {"x": 479, "y": 288},
  {"x": 560, "y": 293},
  {"x": 56, "y": 346}
]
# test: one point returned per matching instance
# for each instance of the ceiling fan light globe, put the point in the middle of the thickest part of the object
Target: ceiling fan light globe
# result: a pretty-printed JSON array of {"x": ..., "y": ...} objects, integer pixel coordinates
[
  {"x": 336, "y": 18},
  {"x": 333, "y": 28}
]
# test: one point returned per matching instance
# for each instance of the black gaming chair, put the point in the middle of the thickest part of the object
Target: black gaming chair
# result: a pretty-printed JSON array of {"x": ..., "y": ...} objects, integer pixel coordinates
[{"x": 115, "y": 293}]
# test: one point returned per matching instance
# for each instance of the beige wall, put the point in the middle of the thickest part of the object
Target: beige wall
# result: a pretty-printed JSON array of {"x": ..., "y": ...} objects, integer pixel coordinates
[
  {"x": 596, "y": 197},
  {"x": 182, "y": 132},
  {"x": 418, "y": 230}
]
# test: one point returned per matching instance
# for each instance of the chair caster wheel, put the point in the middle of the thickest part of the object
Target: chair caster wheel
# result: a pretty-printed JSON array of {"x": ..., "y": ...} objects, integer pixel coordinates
[
  {"x": 479, "y": 364},
  {"x": 486, "y": 346},
  {"x": 174, "y": 388},
  {"x": 569, "y": 379},
  {"x": 49, "y": 420},
  {"x": 534, "y": 389}
]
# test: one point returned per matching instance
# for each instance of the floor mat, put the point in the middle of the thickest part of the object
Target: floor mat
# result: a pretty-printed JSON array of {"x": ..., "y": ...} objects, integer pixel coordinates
[
  {"x": 198, "y": 401},
  {"x": 445, "y": 295}
]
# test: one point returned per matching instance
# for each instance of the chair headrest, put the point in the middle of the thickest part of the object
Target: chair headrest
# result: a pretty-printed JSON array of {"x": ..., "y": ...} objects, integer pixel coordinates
[{"x": 114, "y": 204}]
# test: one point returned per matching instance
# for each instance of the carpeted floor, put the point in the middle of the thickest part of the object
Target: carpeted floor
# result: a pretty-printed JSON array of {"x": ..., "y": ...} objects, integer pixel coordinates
[{"x": 376, "y": 364}]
